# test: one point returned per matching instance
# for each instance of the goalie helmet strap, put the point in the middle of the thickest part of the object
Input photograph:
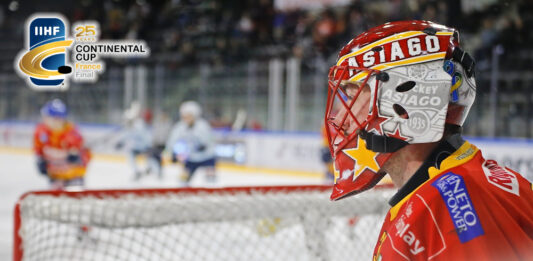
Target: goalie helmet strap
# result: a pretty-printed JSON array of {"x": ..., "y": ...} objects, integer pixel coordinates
[
  {"x": 465, "y": 60},
  {"x": 379, "y": 143}
]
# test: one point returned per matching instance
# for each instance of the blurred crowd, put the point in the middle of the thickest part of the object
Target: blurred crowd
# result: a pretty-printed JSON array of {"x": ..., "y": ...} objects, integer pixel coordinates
[
  {"x": 225, "y": 31},
  {"x": 227, "y": 34}
]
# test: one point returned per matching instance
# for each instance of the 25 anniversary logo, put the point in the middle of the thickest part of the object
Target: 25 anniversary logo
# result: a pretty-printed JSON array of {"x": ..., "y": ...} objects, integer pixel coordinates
[{"x": 44, "y": 62}]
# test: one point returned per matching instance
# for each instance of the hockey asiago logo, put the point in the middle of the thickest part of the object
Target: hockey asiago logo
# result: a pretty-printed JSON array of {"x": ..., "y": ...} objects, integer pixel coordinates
[
  {"x": 404, "y": 48},
  {"x": 501, "y": 177},
  {"x": 426, "y": 102}
]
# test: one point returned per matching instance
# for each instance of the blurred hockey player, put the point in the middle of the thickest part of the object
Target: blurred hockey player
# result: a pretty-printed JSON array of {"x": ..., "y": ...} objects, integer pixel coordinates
[
  {"x": 160, "y": 132},
  {"x": 137, "y": 140},
  {"x": 59, "y": 148},
  {"x": 192, "y": 142},
  {"x": 405, "y": 89}
]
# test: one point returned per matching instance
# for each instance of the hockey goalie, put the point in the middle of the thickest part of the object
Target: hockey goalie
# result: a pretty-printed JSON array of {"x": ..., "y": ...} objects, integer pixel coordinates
[{"x": 397, "y": 98}]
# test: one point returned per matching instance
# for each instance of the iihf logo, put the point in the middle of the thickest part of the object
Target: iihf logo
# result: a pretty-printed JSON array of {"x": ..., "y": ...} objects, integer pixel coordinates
[{"x": 44, "y": 60}]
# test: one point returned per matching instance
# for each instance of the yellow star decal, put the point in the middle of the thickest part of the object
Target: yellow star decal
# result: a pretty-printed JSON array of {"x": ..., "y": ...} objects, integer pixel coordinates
[{"x": 364, "y": 158}]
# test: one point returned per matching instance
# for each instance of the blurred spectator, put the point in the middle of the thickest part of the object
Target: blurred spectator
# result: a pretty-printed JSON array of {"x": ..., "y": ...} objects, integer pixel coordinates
[
  {"x": 222, "y": 32},
  {"x": 324, "y": 31},
  {"x": 226, "y": 35},
  {"x": 355, "y": 23}
]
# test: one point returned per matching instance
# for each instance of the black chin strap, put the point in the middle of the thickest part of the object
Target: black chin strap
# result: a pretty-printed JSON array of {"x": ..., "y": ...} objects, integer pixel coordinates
[
  {"x": 465, "y": 60},
  {"x": 379, "y": 143}
]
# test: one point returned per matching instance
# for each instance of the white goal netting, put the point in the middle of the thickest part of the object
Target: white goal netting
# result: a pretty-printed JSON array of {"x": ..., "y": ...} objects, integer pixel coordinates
[{"x": 274, "y": 223}]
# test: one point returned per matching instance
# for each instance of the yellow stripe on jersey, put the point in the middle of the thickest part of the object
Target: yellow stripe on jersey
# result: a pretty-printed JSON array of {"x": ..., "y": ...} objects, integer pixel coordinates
[{"x": 460, "y": 156}]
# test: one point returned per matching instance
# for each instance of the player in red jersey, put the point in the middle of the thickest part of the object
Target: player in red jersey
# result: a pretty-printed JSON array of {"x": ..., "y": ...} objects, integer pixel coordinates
[
  {"x": 59, "y": 148},
  {"x": 405, "y": 89}
]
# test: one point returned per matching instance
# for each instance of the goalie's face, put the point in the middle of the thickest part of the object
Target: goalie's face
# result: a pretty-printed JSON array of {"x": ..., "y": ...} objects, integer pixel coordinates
[
  {"x": 351, "y": 106},
  {"x": 350, "y": 119}
]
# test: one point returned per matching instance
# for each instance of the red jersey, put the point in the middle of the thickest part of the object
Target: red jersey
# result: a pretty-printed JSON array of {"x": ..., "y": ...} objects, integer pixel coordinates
[
  {"x": 54, "y": 147},
  {"x": 469, "y": 209}
]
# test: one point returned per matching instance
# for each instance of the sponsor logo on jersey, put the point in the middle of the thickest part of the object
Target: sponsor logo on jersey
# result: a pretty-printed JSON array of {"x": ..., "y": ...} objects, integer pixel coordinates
[
  {"x": 465, "y": 154},
  {"x": 409, "y": 209},
  {"x": 453, "y": 190},
  {"x": 408, "y": 236},
  {"x": 500, "y": 177}
]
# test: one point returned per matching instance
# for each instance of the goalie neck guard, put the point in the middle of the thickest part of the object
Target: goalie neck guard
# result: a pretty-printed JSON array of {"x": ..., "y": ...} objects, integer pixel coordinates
[{"x": 393, "y": 85}]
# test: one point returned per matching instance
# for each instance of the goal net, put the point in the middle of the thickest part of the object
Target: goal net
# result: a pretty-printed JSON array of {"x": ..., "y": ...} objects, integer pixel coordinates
[{"x": 245, "y": 223}]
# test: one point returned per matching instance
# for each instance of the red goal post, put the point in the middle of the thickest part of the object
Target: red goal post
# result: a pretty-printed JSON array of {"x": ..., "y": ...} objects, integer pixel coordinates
[{"x": 236, "y": 223}]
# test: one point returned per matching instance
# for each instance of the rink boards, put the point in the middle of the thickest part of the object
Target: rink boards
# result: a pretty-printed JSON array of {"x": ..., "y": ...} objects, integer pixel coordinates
[{"x": 277, "y": 151}]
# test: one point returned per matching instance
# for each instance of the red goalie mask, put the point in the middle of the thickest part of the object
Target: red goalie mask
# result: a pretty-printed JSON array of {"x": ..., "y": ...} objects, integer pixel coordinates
[{"x": 391, "y": 87}]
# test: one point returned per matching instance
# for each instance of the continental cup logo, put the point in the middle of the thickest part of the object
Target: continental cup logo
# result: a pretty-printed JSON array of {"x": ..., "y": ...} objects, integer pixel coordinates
[{"x": 44, "y": 62}]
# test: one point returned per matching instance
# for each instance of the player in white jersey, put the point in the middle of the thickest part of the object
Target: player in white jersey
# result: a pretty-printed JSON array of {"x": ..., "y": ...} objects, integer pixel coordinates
[
  {"x": 192, "y": 142},
  {"x": 137, "y": 139}
]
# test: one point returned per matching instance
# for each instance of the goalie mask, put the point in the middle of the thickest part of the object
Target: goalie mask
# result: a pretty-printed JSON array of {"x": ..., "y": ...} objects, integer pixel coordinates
[{"x": 394, "y": 85}]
